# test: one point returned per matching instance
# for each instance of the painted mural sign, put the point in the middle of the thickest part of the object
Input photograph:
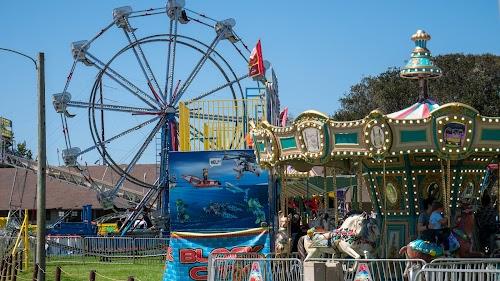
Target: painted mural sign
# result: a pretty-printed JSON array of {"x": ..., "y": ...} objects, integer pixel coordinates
[
  {"x": 217, "y": 191},
  {"x": 187, "y": 254}
]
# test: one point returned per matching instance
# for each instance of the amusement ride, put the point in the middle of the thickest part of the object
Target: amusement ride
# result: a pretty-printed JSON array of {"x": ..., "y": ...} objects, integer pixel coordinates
[
  {"x": 424, "y": 152},
  {"x": 157, "y": 91}
]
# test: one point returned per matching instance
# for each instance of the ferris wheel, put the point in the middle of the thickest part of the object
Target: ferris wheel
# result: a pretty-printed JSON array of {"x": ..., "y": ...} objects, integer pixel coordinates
[{"x": 136, "y": 81}]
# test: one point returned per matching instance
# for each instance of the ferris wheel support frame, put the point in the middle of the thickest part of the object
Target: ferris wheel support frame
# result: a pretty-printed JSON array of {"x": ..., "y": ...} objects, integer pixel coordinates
[{"x": 161, "y": 104}]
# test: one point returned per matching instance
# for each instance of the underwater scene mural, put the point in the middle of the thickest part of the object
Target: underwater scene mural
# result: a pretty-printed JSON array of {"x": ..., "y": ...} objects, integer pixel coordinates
[{"x": 217, "y": 191}]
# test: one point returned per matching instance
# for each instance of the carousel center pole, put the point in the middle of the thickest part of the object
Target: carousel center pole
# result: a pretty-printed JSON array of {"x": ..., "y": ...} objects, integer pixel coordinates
[
  {"x": 335, "y": 202},
  {"x": 385, "y": 208}
]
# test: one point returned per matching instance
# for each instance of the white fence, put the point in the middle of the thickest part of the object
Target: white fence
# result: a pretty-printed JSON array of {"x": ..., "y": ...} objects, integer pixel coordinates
[
  {"x": 376, "y": 269},
  {"x": 272, "y": 267},
  {"x": 231, "y": 268},
  {"x": 438, "y": 274}
]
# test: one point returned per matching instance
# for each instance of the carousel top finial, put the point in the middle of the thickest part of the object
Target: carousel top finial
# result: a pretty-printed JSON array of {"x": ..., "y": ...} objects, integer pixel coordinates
[{"x": 420, "y": 65}]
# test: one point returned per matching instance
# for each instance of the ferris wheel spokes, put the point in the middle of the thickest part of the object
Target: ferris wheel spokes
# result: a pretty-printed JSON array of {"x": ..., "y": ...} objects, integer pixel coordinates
[
  {"x": 174, "y": 10},
  {"x": 112, "y": 107},
  {"x": 120, "y": 16},
  {"x": 224, "y": 31},
  {"x": 122, "y": 81},
  {"x": 204, "y": 95},
  {"x": 111, "y": 194},
  {"x": 117, "y": 136}
]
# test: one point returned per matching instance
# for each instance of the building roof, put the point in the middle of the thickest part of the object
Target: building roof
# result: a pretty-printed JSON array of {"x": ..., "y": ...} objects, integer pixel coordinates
[{"x": 63, "y": 195}]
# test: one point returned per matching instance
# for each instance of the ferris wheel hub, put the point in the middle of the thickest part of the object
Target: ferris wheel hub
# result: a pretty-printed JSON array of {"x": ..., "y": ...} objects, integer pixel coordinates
[{"x": 170, "y": 109}]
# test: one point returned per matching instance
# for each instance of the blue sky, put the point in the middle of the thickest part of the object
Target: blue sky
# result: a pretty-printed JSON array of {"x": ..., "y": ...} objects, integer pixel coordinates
[{"x": 318, "y": 48}]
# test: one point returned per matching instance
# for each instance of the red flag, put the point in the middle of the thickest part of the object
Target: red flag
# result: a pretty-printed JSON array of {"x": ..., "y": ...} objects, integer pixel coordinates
[
  {"x": 284, "y": 117},
  {"x": 256, "y": 63}
]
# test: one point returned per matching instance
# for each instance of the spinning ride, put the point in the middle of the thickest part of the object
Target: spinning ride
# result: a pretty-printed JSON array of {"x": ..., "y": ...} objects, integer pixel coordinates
[
  {"x": 421, "y": 152},
  {"x": 142, "y": 89}
]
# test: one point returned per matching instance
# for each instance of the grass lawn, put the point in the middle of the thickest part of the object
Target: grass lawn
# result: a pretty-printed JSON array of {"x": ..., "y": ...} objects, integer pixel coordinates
[{"x": 77, "y": 269}]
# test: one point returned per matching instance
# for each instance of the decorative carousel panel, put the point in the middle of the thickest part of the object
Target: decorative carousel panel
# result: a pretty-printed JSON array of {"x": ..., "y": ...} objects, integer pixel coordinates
[
  {"x": 393, "y": 198},
  {"x": 468, "y": 190},
  {"x": 377, "y": 135},
  {"x": 453, "y": 127},
  {"x": 347, "y": 138},
  {"x": 266, "y": 147},
  {"x": 488, "y": 137},
  {"x": 411, "y": 136},
  {"x": 313, "y": 136},
  {"x": 430, "y": 186}
]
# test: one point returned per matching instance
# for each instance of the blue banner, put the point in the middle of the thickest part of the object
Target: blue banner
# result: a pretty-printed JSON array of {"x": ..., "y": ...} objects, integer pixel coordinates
[
  {"x": 217, "y": 191},
  {"x": 187, "y": 254}
]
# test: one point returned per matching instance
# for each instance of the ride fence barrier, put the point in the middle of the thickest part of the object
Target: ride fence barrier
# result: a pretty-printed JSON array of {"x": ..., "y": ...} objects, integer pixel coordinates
[
  {"x": 461, "y": 269},
  {"x": 376, "y": 269},
  {"x": 446, "y": 274},
  {"x": 237, "y": 267},
  {"x": 105, "y": 249},
  {"x": 465, "y": 263}
]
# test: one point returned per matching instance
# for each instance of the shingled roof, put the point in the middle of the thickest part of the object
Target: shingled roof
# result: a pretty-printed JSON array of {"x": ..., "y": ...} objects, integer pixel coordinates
[{"x": 60, "y": 194}]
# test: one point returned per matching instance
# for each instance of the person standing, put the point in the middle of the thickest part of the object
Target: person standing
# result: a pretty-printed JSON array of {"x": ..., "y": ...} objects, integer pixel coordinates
[
  {"x": 486, "y": 220},
  {"x": 423, "y": 230}
]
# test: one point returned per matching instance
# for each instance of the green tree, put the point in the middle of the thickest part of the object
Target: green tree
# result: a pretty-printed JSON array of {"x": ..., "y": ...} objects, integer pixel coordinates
[
  {"x": 469, "y": 79},
  {"x": 24, "y": 151}
]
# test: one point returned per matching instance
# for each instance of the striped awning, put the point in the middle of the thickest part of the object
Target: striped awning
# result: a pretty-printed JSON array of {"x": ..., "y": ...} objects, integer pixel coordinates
[{"x": 419, "y": 110}]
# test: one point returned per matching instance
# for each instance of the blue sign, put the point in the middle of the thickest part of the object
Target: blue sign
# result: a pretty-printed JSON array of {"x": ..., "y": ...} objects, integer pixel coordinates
[
  {"x": 217, "y": 191},
  {"x": 187, "y": 254}
]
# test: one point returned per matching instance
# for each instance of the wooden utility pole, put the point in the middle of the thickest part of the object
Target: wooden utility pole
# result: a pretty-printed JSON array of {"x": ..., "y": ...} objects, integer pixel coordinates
[{"x": 41, "y": 177}]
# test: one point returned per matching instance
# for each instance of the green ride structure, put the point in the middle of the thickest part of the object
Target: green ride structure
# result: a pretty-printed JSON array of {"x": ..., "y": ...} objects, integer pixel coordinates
[{"x": 424, "y": 151}]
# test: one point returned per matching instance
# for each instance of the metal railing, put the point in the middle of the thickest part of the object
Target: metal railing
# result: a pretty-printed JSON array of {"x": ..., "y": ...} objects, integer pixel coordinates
[
  {"x": 218, "y": 124},
  {"x": 105, "y": 249},
  {"x": 446, "y": 274},
  {"x": 377, "y": 269},
  {"x": 272, "y": 269}
]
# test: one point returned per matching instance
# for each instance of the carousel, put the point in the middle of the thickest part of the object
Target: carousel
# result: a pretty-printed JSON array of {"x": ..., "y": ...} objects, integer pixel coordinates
[{"x": 424, "y": 152}]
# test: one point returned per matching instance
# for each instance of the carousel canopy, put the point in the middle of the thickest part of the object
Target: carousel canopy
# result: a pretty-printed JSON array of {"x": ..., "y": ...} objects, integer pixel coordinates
[{"x": 419, "y": 110}]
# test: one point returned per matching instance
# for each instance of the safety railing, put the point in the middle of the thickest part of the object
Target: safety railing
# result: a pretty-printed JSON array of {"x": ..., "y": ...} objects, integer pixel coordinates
[
  {"x": 218, "y": 124},
  {"x": 241, "y": 266},
  {"x": 106, "y": 249},
  {"x": 446, "y": 274},
  {"x": 374, "y": 269},
  {"x": 236, "y": 268}
]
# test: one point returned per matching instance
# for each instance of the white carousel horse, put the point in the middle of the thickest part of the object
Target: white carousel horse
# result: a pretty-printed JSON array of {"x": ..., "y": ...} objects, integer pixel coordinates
[{"x": 356, "y": 238}]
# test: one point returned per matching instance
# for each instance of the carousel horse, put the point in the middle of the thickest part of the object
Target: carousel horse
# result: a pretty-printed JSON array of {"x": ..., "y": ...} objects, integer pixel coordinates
[
  {"x": 282, "y": 241},
  {"x": 460, "y": 239},
  {"x": 356, "y": 238}
]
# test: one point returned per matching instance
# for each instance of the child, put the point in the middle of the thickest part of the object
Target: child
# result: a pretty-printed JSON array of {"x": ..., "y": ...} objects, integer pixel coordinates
[{"x": 437, "y": 223}]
